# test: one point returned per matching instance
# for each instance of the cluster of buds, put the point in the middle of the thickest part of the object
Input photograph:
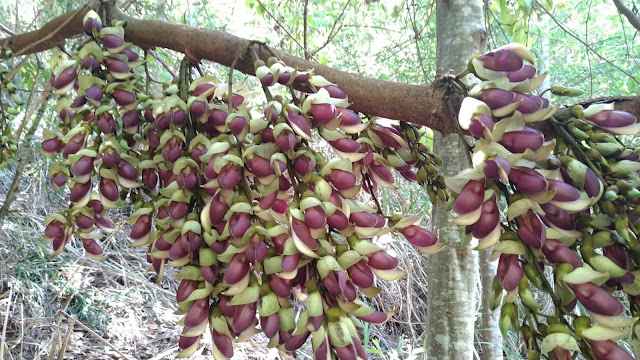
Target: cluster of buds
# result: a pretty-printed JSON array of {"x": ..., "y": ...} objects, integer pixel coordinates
[
  {"x": 256, "y": 220},
  {"x": 570, "y": 204},
  {"x": 13, "y": 105}
]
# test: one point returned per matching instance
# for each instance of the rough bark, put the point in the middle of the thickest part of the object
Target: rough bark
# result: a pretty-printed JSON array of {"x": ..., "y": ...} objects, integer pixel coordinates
[
  {"x": 453, "y": 271},
  {"x": 490, "y": 330}
]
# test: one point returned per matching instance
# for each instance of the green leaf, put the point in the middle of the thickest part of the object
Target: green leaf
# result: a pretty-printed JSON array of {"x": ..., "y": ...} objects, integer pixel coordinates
[{"x": 323, "y": 60}]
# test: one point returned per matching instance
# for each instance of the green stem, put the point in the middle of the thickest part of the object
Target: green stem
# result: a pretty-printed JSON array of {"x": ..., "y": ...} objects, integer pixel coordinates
[{"x": 576, "y": 147}]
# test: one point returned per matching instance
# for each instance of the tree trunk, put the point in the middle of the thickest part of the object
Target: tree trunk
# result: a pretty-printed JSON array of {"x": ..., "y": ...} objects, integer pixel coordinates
[
  {"x": 453, "y": 271},
  {"x": 490, "y": 334}
]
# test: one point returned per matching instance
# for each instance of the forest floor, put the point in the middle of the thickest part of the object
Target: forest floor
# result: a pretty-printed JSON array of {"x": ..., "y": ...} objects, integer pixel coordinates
[{"x": 72, "y": 307}]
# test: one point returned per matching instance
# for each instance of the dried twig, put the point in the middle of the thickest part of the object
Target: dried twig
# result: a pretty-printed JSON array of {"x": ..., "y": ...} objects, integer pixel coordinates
[
  {"x": 287, "y": 32},
  {"x": 164, "y": 64},
  {"x": 3, "y": 340},
  {"x": 333, "y": 32},
  {"x": 67, "y": 339},
  {"x": 96, "y": 336}
]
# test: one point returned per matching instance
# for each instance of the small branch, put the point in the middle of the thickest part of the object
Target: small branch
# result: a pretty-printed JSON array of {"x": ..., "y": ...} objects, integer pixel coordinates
[
  {"x": 96, "y": 336},
  {"x": 570, "y": 33},
  {"x": 164, "y": 64},
  {"x": 22, "y": 160},
  {"x": 586, "y": 39},
  {"x": 304, "y": 29},
  {"x": 369, "y": 183},
  {"x": 52, "y": 34},
  {"x": 41, "y": 99},
  {"x": 3, "y": 340},
  {"x": 332, "y": 35},
  {"x": 287, "y": 32},
  {"x": 634, "y": 20},
  {"x": 6, "y": 29},
  {"x": 576, "y": 147}
]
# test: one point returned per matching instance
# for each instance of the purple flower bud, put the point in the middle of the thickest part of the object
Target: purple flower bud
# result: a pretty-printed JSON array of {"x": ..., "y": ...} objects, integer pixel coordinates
[
  {"x": 127, "y": 171},
  {"x": 131, "y": 55},
  {"x": 597, "y": 299},
  {"x": 564, "y": 191},
  {"x": 342, "y": 180},
  {"x": 322, "y": 114},
  {"x": 237, "y": 269},
  {"x": 496, "y": 168},
  {"x": 346, "y": 145},
  {"x": 592, "y": 184},
  {"x": 612, "y": 118},
  {"x": 361, "y": 274},
  {"x": 509, "y": 271},
  {"x": 529, "y": 103},
  {"x": 527, "y": 72},
  {"x": 477, "y": 125},
  {"x": 204, "y": 88},
  {"x": 109, "y": 189},
  {"x": 608, "y": 350},
  {"x": 286, "y": 140},
  {"x": 198, "y": 108},
  {"x": 79, "y": 190},
  {"x": 348, "y": 117},
  {"x": 112, "y": 42},
  {"x": 418, "y": 236},
  {"x": 58, "y": 180},
  {"x": 558, "y": 253},
  {"x": 66, "y": 78},
  {"x": 335, "y": 92},
  {"x": 496, "y": 98},
  {"x": 470, "y": 197},
  {"x": 527, "y": 180},
  {"x": 501, "y": 60},
  {"x": 94, "y": 93},
  {"x": 75, "y": 144},
  {"x": 489, "y": 219},
  {"x": 531, "y": 230},
  {"x": 116, "y": 67},
  {"x": 123, "y": 97},
  {"x": 52, "y": 146},
  {"x": 106, "y": 123},
  {"x": 83, "y": 166},
  {"x": 520, "y": 140},
  {"x": 237, "y": 125},
  {"x": 229, "y": 176},
  {"x": 557, "y": 217},
  {"x": 380, "y": 260},
  {"x": 304, "y": 165}
]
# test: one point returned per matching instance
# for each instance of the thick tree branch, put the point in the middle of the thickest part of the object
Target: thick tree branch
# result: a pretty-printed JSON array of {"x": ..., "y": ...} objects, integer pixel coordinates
[
  {"x": 633, "y": 19},
  {"x": 423, "y": 105}
]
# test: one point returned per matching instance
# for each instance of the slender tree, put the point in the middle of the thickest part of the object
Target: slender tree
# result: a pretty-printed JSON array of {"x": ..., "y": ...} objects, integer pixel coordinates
[{"x": 453, "y": 271}]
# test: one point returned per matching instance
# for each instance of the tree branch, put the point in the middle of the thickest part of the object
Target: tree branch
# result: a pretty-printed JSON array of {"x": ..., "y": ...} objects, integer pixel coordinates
[{"x": 633, "y": 19}]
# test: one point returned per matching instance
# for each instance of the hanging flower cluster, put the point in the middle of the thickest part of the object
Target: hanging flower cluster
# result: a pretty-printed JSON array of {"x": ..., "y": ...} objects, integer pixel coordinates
[
  {"x": 571, "y": 205},
  {"x": 257, "y": 221}
]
